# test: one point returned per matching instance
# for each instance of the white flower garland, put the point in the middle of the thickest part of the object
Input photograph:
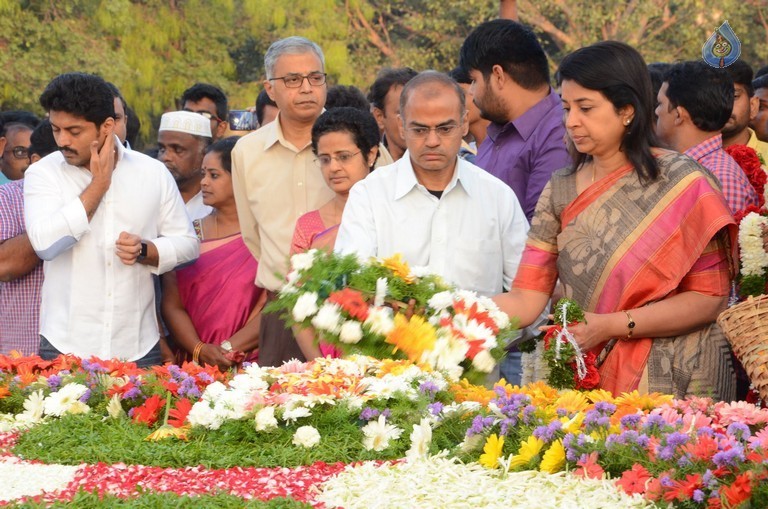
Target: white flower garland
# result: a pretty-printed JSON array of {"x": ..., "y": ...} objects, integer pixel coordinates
[{"x": 754, "y": 259}]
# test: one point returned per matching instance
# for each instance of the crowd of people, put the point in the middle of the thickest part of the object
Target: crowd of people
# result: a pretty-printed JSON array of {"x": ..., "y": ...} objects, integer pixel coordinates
[{"x": 608, "y": 184}]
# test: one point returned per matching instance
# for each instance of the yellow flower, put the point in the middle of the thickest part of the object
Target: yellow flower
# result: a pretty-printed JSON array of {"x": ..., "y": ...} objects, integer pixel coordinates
[
  {"x": 398, "y": 267},
  {"x": 642, "y": 401},
  {"x": 413, "y": 336},
  {"x": 528, "y": 451},
  {"x": 573, "y": 425},
  {"x": 598, "y": 395},
  {"x": 554, "y": 459},
  {"x": 167, "y": 431},
  {"x": 540, "y": 393},
  {"x": 492, "y": 451},
  {"x": 465, "y": 391},
  {"x": 572, "y": 401}
]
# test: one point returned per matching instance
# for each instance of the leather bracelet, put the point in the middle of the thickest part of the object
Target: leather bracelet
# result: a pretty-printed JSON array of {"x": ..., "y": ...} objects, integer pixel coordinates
[
  {"x": 630, "y": 324},
  {"x": 196, "y": 352}
]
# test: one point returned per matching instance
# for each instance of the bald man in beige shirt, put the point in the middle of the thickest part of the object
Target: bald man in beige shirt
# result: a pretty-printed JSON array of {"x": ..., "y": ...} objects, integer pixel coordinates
[{"x": 275, "y": 180}]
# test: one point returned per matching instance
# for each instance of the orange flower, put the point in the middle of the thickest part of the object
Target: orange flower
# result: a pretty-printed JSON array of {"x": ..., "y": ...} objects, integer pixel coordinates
[
  {"x": 4, "y": 392},
  {"x": 398, "y": 267},
  {"x": 633, "y": 481},
  {"x": 589, "y": 468},
  {"x": 178, "y": 415},
  {"x": 739, "y": 491},
  {"x": 149, "y": 411},
  {"x": 413, "y": 337},
  {"x": 465, "y": 391},
  {"x": 683, "y": 490},
  {"x": 352, "y": 302}
]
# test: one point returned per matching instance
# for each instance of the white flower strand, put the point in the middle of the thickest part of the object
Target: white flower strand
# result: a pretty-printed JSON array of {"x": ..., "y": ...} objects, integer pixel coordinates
[
  {"x": 754, "y": 259},
  {"x": 565, "y": 336}
]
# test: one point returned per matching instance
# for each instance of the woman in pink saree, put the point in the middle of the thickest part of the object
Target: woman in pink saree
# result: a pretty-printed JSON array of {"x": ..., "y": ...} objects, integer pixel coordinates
[
  {"x": 211, "y": 306},
  {"x": 346, "y": 143},
  {"x": 640, "y": 237}
]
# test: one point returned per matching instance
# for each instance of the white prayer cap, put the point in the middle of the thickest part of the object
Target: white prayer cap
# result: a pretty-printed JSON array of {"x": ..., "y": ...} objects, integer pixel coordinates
[{"x": 186, "y": 122}]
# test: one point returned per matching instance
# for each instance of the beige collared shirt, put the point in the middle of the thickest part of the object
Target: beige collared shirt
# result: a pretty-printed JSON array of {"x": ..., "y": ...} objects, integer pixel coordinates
[
  {"x": 274, "y": 183},
  {"x": 760, "y": 147}
]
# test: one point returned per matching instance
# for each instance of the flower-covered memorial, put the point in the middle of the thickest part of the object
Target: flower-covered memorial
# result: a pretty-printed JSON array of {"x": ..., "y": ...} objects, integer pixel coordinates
[{"x": 319, "y": 434}]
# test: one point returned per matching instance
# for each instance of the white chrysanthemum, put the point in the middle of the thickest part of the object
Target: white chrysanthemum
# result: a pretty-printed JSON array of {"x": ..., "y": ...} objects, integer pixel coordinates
[
  {"x": 447, "y": 354},
  {"x": 754, "y": 259},
  {"x": 306, "y": 306},
  {"x": 247, "y": 383},
  {"x": 292, "y": 414},
  {"x": 114, "y": 407},
  {"x": 351, "y": 332},
  {"x": 303, "y": 261},
  {"x": 421, "y": 439},
  {"x": 440, "y": 301},
  {"x": 265, "y": 419},
  {"x": 306, "y": 436},
  {"x": 232, "y": 405},
  {"x": 420, "y": 271},
  {"x": 380, "y": 320},
  {"x": 378, "y": 434},
  {"x": 382, "y": 287},
  {"x": 203, "y": 415},
  {"x": 214, "y": 391},
  {"x": 328, "y": 318},
  {"x": 484, "y": 361},
  {"x": 66, "y": 400}
]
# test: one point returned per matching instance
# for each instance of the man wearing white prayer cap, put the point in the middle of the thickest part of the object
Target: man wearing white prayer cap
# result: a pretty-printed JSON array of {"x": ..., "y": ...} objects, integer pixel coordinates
[{"x": 182, "y": 139}]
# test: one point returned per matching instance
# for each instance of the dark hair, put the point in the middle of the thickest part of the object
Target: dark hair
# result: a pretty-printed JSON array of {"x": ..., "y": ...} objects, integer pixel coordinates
[
  {"x": 657, "y": 70},
  {"x": 262, "y": 101},
  {"x": 224, "y": 147},
  {"x": 760, "y": 82},
  {"x": 41, "y": 141},
  {"x": 617, "y": 71},
  {"x": 741, "y": 74},
  {"x": 83, "y": 95},
  {"x": 358, "y": 123},
  {"x": 385, "y": 80},
  {"x": 200, "y": 91},
  {"x": 17, "y": 117},
  {"x": 117, "y": 95},
  {"x": 432, "y": 77},
  {"x": 460, "y": 75},
  {"x": 512, "y": 46},
  {"x": 704, "y": 91},
  {"x": 341, "y": 95},
  {"x": 762, "y": 71},
  {"x": 132, "y": 126}
]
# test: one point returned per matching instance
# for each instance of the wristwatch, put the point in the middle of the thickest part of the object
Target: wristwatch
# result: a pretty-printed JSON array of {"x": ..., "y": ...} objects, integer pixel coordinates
[
  {"x": 143, "y": 252},
  {"x": 226, "y": 345}
]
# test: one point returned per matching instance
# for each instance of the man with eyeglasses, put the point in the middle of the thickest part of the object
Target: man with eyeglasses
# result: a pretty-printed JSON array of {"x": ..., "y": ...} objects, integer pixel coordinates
[
  {"x": 210, "y": 102},
  {"x": 15, "y": 130},
  {"x": 275, "y": 179},
  {"x": 442, "y": 213}
]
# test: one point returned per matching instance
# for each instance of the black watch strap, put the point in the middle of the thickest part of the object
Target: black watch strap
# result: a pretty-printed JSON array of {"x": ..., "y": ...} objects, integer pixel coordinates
[{"x": 143, "y": 252}]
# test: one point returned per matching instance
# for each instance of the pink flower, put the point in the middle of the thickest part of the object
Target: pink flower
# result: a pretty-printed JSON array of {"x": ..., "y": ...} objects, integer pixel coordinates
[
  {"x": 292, "y": 366},
  {"x": 589, "y": 468},
  {"x": 759, "y": 439},
  {"x": 740, "y": 411},
  {"x": 695, "y": 420}
]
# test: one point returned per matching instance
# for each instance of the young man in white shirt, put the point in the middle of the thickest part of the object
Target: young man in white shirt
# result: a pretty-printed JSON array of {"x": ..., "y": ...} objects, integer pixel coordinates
[{"x": 103, "y": 219}]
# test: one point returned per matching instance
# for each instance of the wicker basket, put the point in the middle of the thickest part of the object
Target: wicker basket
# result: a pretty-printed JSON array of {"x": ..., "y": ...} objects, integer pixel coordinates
[{"x": 746, "y": 327}]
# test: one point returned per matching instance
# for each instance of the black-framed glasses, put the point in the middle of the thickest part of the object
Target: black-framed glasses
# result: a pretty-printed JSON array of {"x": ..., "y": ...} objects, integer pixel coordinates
[
  {"x": 443, "y": 131},
  {"x": 343, "y": 158},
  {"x": 18, "y": 152},
  {"x": 206, "y": 114},
  {"x": 295, "y": 80}
]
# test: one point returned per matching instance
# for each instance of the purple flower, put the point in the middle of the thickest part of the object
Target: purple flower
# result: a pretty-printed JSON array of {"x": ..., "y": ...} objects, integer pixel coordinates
[
  {"x": 605, "y": 407},
  {"x": 677, "y": 439},
  {"x": 435, "y": 408},
  {"x": 666, "y": 481},
  {"x": 133, "y": 392},
  {"x": 54, "y": 381},
  {"x": 368, "y": 413},
  {"x": 730, "y": 457},
  {"x": 86, "y": 395},
  {"x": 698, "y": 496},
  {"x": 631, "y": 420},
  {"x": 206, "y": 378},
  {"x": 562, "y": 412},
  {"x": 547, "y": 433},
  {"x": 429, "y": 388},
  {"x": 706, "y": 430},
  {"x": 528, "y": 414},
  {"x": 479, "y": 423},
  {"x": 684, "y": 461},
  {"x": 739, "y": 430},
  {"x": 665, "y": 453},
  {"x": 654, "y": 421}
]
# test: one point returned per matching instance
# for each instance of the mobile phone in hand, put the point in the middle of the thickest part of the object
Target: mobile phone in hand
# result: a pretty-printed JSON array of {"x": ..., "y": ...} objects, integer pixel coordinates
[{"x": 242, "y": 120}]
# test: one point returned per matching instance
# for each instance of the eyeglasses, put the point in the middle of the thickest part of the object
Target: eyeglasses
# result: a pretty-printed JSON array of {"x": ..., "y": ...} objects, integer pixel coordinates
[
  {"x": 18, "y": 152},
  {"x": 296, "y": 80},
  {"x": 342, "y": 158},
  {"x": 443, "y": 131},
  {"x": 206, "y": 114}
]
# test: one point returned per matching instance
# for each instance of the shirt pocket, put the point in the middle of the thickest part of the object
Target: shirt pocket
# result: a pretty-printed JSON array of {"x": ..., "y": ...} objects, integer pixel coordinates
[{"x": 477, "y": 265}]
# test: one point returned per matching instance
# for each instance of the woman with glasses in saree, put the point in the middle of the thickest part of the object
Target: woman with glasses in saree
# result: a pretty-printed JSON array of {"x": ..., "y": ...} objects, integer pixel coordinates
[
  {"x": 639, "y": 236},
  {"x": 345, "y": 142},
  {"x": 211, "y": 306}
]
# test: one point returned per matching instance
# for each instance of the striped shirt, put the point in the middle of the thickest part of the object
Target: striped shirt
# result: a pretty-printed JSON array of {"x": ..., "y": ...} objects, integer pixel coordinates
[
  {"x": 739, "y": 193},
  {"x": 19, "y": 299}
]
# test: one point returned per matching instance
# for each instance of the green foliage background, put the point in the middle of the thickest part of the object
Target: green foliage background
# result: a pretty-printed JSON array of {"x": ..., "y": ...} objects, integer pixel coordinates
[{"x": 154, "y": 49}]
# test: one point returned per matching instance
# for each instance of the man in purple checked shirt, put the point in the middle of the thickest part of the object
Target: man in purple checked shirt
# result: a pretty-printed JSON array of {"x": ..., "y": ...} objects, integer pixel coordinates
[
  {"x": 510, "y": 74},
  {"x": 525, "y": 142}
]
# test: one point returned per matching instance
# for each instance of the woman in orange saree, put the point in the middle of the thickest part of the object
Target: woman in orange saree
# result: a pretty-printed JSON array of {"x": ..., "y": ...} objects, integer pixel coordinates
[{"x": 646, "y": 253}]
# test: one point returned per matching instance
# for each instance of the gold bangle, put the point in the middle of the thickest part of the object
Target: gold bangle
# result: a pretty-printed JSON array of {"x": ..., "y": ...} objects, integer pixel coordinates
[
  {"x": 196, "y": 352},
  {"x": 630, "y": 324}
]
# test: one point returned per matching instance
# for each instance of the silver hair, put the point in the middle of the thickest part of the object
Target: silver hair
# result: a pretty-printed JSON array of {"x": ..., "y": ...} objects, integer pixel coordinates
[{"x": 294, "y": 45}]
